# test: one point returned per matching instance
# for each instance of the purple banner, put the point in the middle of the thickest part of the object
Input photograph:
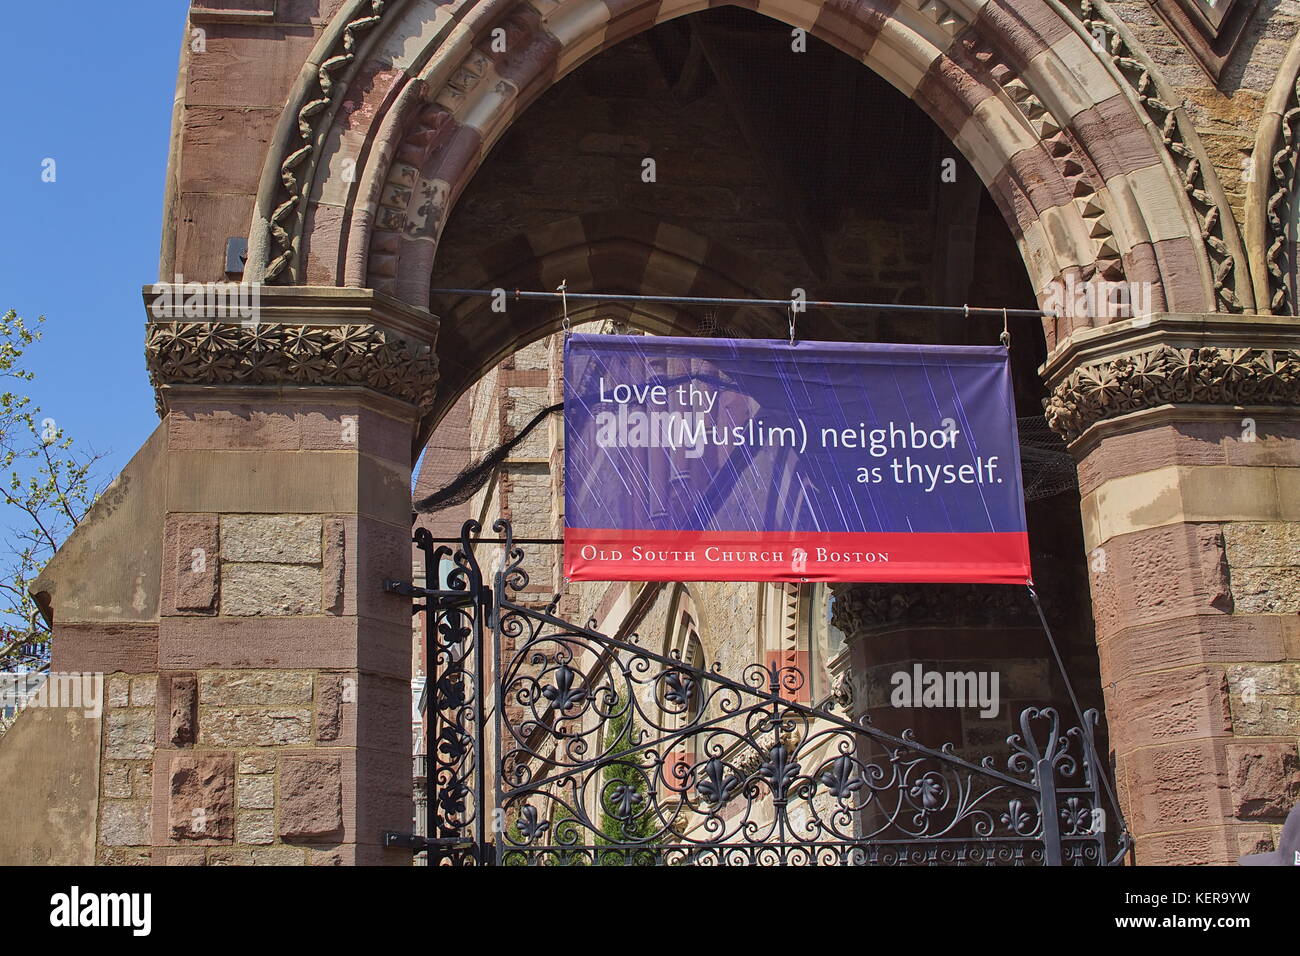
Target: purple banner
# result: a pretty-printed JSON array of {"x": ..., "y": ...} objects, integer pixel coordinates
[{"x": 745, "y": 460}]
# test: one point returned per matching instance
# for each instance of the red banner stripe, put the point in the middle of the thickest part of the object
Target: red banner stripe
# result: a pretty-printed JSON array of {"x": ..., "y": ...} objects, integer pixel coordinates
[{"x": 593, "y": 554}]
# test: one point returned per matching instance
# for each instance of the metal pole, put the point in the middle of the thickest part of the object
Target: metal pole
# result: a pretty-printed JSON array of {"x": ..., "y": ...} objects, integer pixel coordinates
[{"x": 963, "y": 310}]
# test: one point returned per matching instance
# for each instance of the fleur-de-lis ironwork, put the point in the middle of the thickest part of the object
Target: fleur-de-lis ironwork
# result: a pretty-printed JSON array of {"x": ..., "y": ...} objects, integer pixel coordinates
[
  {"x": 451, "y": 798},
  {"x": 451, "y": 742},
  {"x": 841, "y": 779},
  {"x": 716, "y": 785},
  {"x": 779, "y": 770},
  {"x": 1018, "y": 817},
  {"x": 562, "y": 693},
  {"x": 451, "y": 693},
  {"x": 530, "y": 826},
  {"x": 1077, "y": 816},
  {"x": 679, "y": 688},
  {"x": 624, "y": 801},
  {"x": 929, "y": 790}
]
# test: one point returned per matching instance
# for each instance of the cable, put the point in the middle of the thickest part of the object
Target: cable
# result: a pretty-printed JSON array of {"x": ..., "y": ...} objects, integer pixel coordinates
[
  {"x": 1078, "y": 711},
  {"x": 965, "y": 310}
]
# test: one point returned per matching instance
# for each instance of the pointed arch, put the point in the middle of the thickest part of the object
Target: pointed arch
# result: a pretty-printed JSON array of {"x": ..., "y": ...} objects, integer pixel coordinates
[{"x": 1069, "y": 140}]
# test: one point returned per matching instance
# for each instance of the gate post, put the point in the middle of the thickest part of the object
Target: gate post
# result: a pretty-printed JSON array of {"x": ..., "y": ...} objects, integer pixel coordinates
[
  {"x": 269, "y": 721},
  {"x": 1185, "y": 431}
]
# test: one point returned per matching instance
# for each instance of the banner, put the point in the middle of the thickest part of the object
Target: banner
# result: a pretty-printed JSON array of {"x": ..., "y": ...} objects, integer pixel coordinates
[{"x": 742, "y": 460}]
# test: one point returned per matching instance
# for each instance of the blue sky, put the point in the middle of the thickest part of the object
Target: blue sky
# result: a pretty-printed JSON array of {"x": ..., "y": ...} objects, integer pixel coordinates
[{"x": 94, "y": 93}]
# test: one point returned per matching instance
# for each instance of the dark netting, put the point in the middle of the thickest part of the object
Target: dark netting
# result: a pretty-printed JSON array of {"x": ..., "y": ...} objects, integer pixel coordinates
[
  {"x": 1045, "y": 463},
  {"x": 471, "y": 479}
]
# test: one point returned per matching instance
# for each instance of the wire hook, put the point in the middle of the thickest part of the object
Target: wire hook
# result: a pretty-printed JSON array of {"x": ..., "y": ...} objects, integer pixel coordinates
[
  {"x": 1005, "y": 337},
  {"x": 790, "y": 310},
  {"x": 563, "y": 289}
]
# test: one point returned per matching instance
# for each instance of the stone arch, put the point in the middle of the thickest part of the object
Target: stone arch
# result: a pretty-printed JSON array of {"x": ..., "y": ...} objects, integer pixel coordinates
[
  {"x": 1271, "y": 194},
  {"x": 1095, "y": 174}
]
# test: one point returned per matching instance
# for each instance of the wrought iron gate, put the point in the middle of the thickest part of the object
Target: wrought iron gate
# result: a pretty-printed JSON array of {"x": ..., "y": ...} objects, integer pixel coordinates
[{"x": 584, "y": 749}]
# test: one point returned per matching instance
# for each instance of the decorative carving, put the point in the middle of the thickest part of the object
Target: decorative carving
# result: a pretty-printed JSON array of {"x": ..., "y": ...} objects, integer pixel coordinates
[
  {"x": 1210, "y": 29},
  {"x": 290, "y": 197},
  {"x": 1190, "y": 163},
  {"x": 1282, "y": 298},
  {"x": 861, "y": 608},
  {"x": 218, "y": 353},
  {"x": 1077, "y": 171},
  {"x": 1165, "y": 375}
]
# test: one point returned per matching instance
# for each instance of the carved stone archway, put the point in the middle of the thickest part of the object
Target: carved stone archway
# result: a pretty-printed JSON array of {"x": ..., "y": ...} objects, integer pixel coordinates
[{"x": 1094, "y": 169}]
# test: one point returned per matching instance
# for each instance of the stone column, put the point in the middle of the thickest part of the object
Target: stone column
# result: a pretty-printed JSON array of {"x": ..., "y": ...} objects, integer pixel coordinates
[
  {"x": 1186, "y": 434},
  {"x": 268, "y": 721},
  {"x": 989, "y": 631}
]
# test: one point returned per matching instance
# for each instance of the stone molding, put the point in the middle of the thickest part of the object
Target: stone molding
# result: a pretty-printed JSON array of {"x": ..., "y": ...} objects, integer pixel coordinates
[
  {"x": 1171, "y": 360},
  {"x": 862, "y": 609},
  {"x": 1167, "y": 376},
  {"x": 1210, "y": 29},
  {"x": 1223, "y": 247},
  {"x": 1269, "y": 192},
  {"x": 298, "y": 337},
  {"x": 222, "y": 353},
  {"x": 283, "y": 196}
]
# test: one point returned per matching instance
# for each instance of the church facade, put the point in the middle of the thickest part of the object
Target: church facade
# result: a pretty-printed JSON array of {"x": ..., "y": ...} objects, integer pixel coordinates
[{"x": 367, "y": 167}]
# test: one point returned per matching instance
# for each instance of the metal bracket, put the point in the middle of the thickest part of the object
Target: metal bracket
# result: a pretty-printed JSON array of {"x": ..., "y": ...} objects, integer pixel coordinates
[{"x": 394, "y": 839}]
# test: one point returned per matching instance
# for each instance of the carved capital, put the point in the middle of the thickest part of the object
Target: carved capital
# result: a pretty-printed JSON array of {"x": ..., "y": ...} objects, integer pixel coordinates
[
  {"x": 1171, "y": 360},
  {"x": 274, "y": 353},
  {"x": 219, "y": 334},
  {"x": 862, "y": 609},
  {"x": 1209, "y": 375}
]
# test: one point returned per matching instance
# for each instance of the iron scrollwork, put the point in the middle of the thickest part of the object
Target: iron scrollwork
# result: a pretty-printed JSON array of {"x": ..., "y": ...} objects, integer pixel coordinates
[{"x": 606, "y": 753}]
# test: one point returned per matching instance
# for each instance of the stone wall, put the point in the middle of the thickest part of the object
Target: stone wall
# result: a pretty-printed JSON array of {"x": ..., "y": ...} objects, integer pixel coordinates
[
  {"x": 1191, "y": 528},
  {"x": 1226, "y": 113}
]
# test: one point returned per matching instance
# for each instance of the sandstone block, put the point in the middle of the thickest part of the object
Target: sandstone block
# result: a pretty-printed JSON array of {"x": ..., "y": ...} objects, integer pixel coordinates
[
  {"x": 282, "y": 539},
  {"x": 1266, "y": 590},
  {"x": 257, "y": 761},
  {"x": 130, "y": 735},
  {"x": 257, "y": 827},
  {"x": 117, "y": 780},
  {"x": 184, "y": 715},
  {"x": 254, "y": 727},
  {"x": 230, "y": 856},
  {"x": 1262, "y": 544},
  {"x": 1264, "y": 778},
  {"x": 201, "y": 796},
  {"x": 144, "y": 691},
  {"x": 311, "y": 797},
  {"x": 278, "y": 856},
  {"x": 124, "y": 823},
  {"x": 329, "y": 707},
  {"x": 123, "y": 856},
  {"x": 256, "y": 791},
  {"x": 195, "y": 578},
  {"x": 250, "y": 590},
  {"x": 118, "y": 691},
  {"x": 334, "y": 561},
  {"x": 256, "y": 688}
]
